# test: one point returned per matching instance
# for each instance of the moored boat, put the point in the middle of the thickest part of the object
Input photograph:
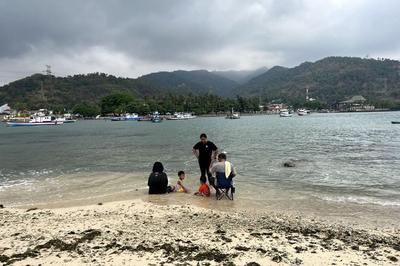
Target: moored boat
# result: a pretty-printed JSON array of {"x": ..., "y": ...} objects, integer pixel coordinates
[
  {"x": 126, "y": 117},
  {"x": 36, "y": 121},
  {"x": 285, "y": 113},
  {"x": 302, "y": 112},
  {"x": 156, "y": 118},
  {"x": 233, "y": 115}
]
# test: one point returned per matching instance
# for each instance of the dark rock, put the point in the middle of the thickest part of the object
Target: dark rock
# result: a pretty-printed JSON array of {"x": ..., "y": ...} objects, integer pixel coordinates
[
  {"x": 1, "y": 206},
  {"x": 300, "y": 249},
  {"x": 277, "y": 258},
  {"x": 226, "y": 239},
  {"x": 289, "y": 163},
  {"x": 220, "y": 231},
  {"x": 393, "y": 258},
  {"x": 242, "y": 248},
  {"x": 252, "y": 264},
  {"x": 89, "y": 235},
  {"x": 355, "y": 247},
  {"x": 261, "y": 250},
  {"x": 100, "y": 203},
  {"x": 212, "y": 254},
  {"x": 298, "y": 261},
  {"x": 31, "y": 209}
]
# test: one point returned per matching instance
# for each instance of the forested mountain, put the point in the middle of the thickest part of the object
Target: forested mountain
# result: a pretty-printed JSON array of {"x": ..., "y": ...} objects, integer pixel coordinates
[
  {"x": 329, "y": 80},
  {"x": 39, "y": 91},
  {"x": 197, "y": 81},
  {"x": 241, "y": 76}
]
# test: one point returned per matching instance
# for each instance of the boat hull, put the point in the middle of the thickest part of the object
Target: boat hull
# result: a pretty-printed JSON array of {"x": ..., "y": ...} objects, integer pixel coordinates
[{"x": 29, "y": 124}]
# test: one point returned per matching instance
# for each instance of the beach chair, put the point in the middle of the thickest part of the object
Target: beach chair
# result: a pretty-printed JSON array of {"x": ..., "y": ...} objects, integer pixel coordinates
[{"x": 224, "y": 187}]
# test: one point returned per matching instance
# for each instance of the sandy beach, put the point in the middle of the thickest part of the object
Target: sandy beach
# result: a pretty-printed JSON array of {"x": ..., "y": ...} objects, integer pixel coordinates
[{"x": 137, "y": 232}]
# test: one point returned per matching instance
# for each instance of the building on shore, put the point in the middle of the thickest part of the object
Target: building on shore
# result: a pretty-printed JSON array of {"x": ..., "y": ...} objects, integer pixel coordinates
[
  {"x": 5, "y": 109},
  {"x": 274, "y": 108},
  {"x": 356, "y": 103}
]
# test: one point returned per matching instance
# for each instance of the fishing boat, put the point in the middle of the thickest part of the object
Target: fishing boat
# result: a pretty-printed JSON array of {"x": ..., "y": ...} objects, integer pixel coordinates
[
  {"x": 189, "y": 116},
  {"x": 36, "y": 121},
  {"x": 126, "y": 117},
  {"x": 177, "y": 116},
  {"x": 285, "y": 113},
  {"x": 156, "y": 118},
  {"x": 233, "y": 115},
  {"x": 65, "y": 120},
  {"x": 302, "y": 112},
  {"x": 145, "y": 119}
]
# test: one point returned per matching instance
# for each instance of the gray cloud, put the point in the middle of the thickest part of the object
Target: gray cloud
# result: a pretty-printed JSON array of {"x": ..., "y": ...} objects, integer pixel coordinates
[{"x": 130, "y": 38}]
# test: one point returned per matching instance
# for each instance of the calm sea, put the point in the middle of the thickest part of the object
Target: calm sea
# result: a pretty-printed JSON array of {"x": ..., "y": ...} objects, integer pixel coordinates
[{"x": 347, "y": 165}]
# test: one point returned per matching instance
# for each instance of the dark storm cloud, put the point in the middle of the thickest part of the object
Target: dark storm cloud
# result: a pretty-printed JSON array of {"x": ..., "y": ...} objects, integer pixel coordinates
[{"x": 130, "y": 38}]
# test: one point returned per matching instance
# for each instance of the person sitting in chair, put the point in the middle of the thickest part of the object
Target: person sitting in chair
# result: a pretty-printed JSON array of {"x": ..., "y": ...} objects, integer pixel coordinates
[{"x": 223, "y": 171}]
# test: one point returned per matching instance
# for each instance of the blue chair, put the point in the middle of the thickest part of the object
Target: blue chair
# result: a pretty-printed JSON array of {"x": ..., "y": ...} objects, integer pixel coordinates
[{"x": 224, "y": 186}]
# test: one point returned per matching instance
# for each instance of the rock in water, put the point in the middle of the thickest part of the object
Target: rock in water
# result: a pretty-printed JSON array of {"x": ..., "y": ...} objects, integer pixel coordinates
[
  {"x": 1, "y": 206},
  {"x": 289, "y": 163}
]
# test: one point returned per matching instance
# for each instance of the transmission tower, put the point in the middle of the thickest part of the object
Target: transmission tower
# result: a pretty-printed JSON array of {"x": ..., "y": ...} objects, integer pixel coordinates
[{"x": 48, "y": 70}]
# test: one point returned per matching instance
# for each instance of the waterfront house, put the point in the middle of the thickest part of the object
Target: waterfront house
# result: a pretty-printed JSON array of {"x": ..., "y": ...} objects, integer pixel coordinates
[{"x": 356, "y": 103}]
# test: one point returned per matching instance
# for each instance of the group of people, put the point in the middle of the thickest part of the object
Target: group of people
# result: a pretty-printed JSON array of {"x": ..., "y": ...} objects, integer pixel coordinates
[{"x": 207, "y": 153}]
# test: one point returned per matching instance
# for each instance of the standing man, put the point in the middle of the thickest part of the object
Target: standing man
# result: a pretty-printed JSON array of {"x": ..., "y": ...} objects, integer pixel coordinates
[{"x": 205, "y": 151}]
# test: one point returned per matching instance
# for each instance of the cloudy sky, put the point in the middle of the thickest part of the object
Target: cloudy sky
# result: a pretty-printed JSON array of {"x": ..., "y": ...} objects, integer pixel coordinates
[{"x": 132, "y": 38}]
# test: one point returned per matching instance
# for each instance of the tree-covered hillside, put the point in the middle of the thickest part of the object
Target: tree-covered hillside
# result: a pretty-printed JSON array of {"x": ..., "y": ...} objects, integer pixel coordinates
[
  {"x": 197, "y": 81},
  {"x": 329, "y": 80}
]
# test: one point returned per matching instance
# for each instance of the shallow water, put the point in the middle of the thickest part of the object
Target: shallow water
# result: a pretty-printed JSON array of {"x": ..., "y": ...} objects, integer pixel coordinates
[{"x": 347, "y": 165}]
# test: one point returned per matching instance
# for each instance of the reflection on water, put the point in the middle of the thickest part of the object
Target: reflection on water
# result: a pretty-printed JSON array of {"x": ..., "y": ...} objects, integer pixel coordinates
[{"x": 346, "y": 164}]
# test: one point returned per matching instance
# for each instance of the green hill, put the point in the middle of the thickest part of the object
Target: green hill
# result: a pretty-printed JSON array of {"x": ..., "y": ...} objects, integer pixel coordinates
[
  {"x": 38, "y": 91},
  {"x": 241, "y": 76},
  {"x": 329, "y": 80},
  {"x": 197, "y": 81}
]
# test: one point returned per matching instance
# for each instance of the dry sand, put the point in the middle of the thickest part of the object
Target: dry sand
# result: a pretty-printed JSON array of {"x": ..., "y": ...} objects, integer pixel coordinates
[{"x": 142, "y": 233}]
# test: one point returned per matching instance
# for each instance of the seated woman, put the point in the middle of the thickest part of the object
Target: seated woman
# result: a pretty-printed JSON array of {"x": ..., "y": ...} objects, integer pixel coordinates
[
  {"x": 158, "y": 180},
  {"x": 223, "y": 171}
]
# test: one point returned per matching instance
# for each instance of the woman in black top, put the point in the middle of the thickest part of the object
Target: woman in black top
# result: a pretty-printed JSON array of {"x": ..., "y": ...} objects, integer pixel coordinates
[{"x": 158, "y": 180}]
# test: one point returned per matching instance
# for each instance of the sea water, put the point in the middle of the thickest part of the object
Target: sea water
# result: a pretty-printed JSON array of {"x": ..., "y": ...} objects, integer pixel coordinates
[{"x": 346, "y": 164}]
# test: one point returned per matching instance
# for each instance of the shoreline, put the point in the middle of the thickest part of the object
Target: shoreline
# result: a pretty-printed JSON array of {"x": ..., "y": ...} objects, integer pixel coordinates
[{"x": 149, "y": 233}]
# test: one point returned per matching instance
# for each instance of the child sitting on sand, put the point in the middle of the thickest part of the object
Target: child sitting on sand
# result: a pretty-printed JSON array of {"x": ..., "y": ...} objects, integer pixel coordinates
[
  {"x": 204, "y": 189},
  {"x": 179, "y": 187}
]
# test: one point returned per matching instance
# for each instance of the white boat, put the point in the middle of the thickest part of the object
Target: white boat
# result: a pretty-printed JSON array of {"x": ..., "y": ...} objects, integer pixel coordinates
[
  {"x": 180, "y": 116},
  {"x": 285, "y": 113},
  {"x": 189, "y": 116},
  {"x": 177, "y": 116},
  {"x": 302, "y": 112},
  {"x": 126, "y": 117},
  {"x": 233, "y": 115},
  {"x": 37, "y": 121},
  {"x": 156, "y": 118},
  {"x": 132, "y": 117},
  {"x": 65, "y": 120}
]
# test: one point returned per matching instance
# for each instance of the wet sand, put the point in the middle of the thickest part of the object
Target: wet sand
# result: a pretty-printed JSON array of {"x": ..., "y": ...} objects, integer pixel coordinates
[{"x": 138, "y": 232}]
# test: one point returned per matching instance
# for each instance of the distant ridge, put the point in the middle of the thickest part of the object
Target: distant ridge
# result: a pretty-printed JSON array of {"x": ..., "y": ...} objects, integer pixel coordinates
[
  {"x": 241, "y": 76},
  {"x": 196, "y": 81},
  {"x": 328, "y": 80}
]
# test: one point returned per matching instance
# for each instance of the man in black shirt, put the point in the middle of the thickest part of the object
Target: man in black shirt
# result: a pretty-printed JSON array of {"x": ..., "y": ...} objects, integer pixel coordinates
[{"x": 205, "y": 151}]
